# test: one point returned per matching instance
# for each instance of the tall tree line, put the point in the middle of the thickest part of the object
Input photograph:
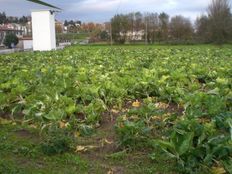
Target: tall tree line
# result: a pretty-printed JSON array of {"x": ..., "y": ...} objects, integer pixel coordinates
[
  {"x": 214, "y": 27},
  {"x": 4, "y": 19}
]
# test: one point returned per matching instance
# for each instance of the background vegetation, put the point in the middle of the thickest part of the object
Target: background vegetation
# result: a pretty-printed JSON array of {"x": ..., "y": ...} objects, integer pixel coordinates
[{"x": 214, "y": 27}]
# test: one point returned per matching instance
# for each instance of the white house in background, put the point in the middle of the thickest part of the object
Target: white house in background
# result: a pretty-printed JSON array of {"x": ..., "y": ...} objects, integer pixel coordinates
[
  {"x": 135, "y": 35},
  {"x": 18, "y": 29},
  {"x": 43, "y": 30}
]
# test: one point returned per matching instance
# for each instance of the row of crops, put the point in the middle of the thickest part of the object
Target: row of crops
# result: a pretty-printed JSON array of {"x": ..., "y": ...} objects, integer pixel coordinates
[{"x": 77, "y": 85}]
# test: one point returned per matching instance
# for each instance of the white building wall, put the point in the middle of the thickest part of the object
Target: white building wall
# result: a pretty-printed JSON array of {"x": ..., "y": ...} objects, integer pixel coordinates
[
  {"x": 27, "y": 44},
  {"x": 53, "y": 30},
  {"x": 43, "y": 30}
]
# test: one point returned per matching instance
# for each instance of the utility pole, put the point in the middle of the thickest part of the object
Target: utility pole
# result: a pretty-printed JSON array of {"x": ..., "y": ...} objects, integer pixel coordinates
[
  {"x": 146, "y": 31},
  {"x": 133, "y": 30}
]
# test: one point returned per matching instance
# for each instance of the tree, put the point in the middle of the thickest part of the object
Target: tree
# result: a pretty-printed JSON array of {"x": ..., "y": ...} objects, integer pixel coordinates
[
  {"x": 138, "y": 21},
  {"x": 181, "y": 29},
  {"x": 202, "y": 29},
  {"x": 73, "y": 29},
  {"x": 10, "y": 39},
  {"x": 151, "y": 21},
  {"x": 91, "y": 26},
  {"x": 58, "y": 28},
  {"x": 163, "y": 23},
  {"x": 3, "y": 18},
  {"x": 220, "y": 21},
  {"x": 131, "y": 24},
  {"x": 120, "y": 26},
  {"x": 135, "y": 24},
  {"x": 23, "y": 20},
  {"x": 104, "y": 35},
  {"x": 66, "y": 23}
]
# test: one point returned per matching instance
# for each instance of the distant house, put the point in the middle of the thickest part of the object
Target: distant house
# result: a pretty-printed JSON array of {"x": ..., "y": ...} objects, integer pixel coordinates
[
  {"x": 4, "y": 30},
  {"x": 72, "y": 26},
  {"x": 135, "y": 35},
  {"x": 18, "y": 29},
  {"x": 25, "y": 29}
]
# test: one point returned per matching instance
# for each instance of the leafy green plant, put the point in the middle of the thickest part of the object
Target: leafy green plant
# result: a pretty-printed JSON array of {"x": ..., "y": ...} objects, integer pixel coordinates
[
  {"x": 135, "y": 128},
  {"x": 196, "y": 146},
  {"x": 10, "y": 39},
  {"x": 203, "y": 104},
  {"x": 132, "y": 134},
  {"x": 57, "y": 141}
]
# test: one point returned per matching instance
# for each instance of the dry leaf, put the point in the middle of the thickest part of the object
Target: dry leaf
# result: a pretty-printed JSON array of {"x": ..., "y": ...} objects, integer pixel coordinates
[
  {"x": 5, "y": 121},
  {"x": 33, "y": 126},
  {"x": 168, "y": 114},
  {"x": 161, "y": 105},
  {"x": 91, "y": 147},
  {"x": 63, "y": 124},
  {"x": 124, "y": 118},
  {"x": 136, "y": 104},
  {"x": 80, "y": 149},
  {"x": 125, "y": 110},
  {"x": 110, "y": 172},
  {"x": 156, "y": 118},
  {"x": 108, "y": 142},
  {"x": 84, "y": 148},
  {"x": 77, "y": 134},
  {"x": 97, "y": 125},
  {"x": 218, "y": 170},
  {"x": 114, "y": 111},
  {"x": 134, "y": 117}
]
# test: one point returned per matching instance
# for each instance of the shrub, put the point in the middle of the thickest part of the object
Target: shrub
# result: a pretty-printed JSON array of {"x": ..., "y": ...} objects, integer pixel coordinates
[
  {"x": 10, "y": 39},
  {"x": 57, "y": 142}
]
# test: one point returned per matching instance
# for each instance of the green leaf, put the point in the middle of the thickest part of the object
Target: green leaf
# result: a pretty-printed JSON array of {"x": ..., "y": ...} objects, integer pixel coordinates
[
  {"x": 185, "y": 143},
  {"x": 228, "y": 165},
  {"x": 70, "y": 109},
  {"x": 229, "y": 121},
  {"x": 167, "y": 147},
  {"x": 55, "y": 115}
]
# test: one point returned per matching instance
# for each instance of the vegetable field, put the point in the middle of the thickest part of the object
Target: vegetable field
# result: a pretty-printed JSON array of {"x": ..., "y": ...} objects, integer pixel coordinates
[{"x": 172, "y": 105}]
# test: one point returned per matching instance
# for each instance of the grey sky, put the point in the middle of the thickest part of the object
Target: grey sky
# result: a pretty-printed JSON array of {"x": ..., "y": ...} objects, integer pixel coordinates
[{"x": 103, "y": 10}]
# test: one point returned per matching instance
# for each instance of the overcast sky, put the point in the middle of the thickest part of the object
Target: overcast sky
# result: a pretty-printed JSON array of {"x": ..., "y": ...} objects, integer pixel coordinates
[{"x": 103, "y": 10}]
